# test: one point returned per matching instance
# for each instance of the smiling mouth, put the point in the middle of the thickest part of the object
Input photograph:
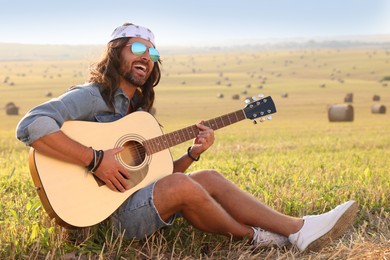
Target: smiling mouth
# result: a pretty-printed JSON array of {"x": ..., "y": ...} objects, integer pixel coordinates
[{"x": 140, "y": 67}]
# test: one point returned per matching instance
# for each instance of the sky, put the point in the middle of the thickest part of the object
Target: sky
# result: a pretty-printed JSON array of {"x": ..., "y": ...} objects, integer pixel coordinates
[{"x": 185, "y": 22}]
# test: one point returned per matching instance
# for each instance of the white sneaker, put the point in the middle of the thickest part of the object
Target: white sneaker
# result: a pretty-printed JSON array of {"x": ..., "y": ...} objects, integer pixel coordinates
[
  {"x": 263, "y": 238},
  {"x": 318, "y": 230}
]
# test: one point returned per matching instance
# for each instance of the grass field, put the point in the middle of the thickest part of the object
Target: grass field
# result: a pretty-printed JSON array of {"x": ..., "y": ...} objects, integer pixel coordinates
[{"x": 299, "y": 162}]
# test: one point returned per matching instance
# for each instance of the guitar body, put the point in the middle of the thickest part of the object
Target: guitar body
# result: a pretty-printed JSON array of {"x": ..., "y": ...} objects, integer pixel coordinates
[{"x": 75, "y": 197}]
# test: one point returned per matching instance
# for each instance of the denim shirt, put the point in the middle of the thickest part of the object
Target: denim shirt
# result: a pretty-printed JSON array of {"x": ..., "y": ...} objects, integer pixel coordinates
[{"x": 83, "y": 102}]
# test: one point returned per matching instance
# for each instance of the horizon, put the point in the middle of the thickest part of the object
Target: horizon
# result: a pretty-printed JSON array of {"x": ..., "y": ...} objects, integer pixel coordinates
[
  {"x": 366, "y": 38},
  {"x": 201, "y": 23}
]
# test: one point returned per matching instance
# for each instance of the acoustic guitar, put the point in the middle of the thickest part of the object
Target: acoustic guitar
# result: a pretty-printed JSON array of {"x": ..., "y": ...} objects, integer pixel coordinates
[{"x": 76, "y": 198}]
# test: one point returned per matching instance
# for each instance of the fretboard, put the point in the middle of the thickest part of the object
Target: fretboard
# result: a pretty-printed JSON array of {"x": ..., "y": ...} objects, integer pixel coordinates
[{"x": 165, "y": 141}]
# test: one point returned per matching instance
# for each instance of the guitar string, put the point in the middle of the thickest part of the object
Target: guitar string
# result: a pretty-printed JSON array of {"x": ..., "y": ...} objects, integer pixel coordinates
[
  {"x": 139, "y": 151},
  {"x": 156, "y": 144}
]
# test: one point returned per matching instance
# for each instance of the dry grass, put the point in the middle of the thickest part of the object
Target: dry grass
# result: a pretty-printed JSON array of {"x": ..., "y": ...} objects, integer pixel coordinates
[{"x": 298, "y": 163}]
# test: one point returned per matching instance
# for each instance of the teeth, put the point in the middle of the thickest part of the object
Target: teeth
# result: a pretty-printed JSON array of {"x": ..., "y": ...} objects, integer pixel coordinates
[{"x": 141, "y": 67}]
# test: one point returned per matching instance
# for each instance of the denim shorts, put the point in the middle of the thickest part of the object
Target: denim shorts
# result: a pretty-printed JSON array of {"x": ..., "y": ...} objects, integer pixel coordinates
[{"x": 137, "y": 217}]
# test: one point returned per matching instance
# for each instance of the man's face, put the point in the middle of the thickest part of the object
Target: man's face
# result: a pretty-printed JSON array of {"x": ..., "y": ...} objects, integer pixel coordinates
[{"x": 136, "y": 69}]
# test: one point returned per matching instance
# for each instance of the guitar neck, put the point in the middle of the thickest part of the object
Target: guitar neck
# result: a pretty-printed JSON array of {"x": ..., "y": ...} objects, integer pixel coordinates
[{"x": 165, "y": 141}]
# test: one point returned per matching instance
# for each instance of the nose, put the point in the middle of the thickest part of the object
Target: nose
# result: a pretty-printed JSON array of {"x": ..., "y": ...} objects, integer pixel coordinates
[{"x": 145, "y": 56}]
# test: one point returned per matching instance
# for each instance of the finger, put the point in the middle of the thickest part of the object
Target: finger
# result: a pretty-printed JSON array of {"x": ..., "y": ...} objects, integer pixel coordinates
[
  {"x": 118, "y": 150},
  {"x": 117, "y": 184},
  {"x": 110, "y": 185},
  {"x": 124, "y": 173},
  {"x": 201, "y": 126},
  {"x": 203, "y": 134},
  {"x": 123, "y": 180}
]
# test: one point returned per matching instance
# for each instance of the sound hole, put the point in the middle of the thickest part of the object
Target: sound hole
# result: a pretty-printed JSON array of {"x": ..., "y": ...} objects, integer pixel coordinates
[{"x": 133, "y": 154}]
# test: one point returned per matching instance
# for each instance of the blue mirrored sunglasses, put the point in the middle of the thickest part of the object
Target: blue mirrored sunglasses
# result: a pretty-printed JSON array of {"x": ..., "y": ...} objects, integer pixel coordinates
[{"x": 138, "y": 48}]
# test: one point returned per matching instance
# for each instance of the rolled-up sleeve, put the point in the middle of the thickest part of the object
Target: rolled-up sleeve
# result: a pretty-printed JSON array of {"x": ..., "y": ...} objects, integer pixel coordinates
[
  {"x": 38, "y": 128},
  {"x": 47, "y": 118}
]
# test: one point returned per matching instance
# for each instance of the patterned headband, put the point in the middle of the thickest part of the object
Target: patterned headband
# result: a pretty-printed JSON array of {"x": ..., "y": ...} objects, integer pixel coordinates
[{"x": 133, "y": 31}]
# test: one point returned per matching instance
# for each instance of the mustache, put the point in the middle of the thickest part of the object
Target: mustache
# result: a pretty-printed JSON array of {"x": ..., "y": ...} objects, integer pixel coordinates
[{"x": 142, "y": 62}]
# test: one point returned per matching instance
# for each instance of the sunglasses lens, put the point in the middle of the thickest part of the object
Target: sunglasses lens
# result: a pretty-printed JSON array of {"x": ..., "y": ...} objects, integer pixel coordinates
[
  {"x": 138, "y": 48},
  {"x": 154, "y": 55}
]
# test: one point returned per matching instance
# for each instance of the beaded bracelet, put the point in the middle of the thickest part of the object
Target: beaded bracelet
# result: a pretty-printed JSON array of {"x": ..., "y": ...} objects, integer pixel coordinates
[{"x": 189, "y": 155}]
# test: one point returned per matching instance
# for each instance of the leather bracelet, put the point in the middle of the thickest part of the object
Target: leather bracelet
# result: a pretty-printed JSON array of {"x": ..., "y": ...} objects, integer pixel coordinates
[
  {"x": 93, "y": 161},
  {"x": 99, "y": 159},
  {"x": 191, "y": 157}
]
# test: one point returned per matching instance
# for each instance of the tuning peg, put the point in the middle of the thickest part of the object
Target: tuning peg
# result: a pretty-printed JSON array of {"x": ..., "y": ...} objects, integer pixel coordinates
[
  {"x": 261, "y": 119},
  {"x": 260, "y": 95},
  {"x": 247, "y": 101},
  {"x": 254, "y": 122},
  {"x": 269, "y": 117},
  {"x": 254, "y": 98}
]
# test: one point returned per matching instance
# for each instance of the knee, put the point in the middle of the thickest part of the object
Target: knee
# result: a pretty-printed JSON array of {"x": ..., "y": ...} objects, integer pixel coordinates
[
  {"x": 207, "y": 176},
  {"x": 181, "y": 183}
]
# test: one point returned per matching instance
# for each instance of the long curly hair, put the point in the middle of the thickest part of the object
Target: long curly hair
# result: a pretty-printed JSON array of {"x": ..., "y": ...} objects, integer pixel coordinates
[{"x": 106, "y": 73}]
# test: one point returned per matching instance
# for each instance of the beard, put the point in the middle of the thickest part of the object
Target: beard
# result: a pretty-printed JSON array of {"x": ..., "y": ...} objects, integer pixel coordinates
[
  {"x": 130, "y": 75},
  {"x": 134, "y": 79}
]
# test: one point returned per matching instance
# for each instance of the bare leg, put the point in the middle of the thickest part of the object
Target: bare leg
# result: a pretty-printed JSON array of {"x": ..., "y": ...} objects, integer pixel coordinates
[
  {"x": 180, "y": 193},
  {"x": 213, "y": 204},
  {"x": 243, "y": 207}
]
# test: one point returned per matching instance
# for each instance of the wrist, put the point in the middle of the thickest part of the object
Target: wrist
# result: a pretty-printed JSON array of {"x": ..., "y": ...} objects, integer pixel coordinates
[
  {"x": 194, "y": 158},
  {"x": 92, "y": 162},
  {"x": 89, "y": 156},
  {"x": 96, "y": 160}
]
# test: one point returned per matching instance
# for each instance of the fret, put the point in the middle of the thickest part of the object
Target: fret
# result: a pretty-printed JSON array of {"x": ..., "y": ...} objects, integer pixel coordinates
[
  {"x": 147, "y": 148},
  {"x": 229, "y": 117},
  {"x": 174, "y": 138},
  {"x": 192, "y": 131},
  {"x": 170, "y": 139},
  {"x": 236, "y": 117},
  {"x": 159, "y": 144},
  {"x": 222, "y": 121},
  {"x": 186, "y": 134},
  {"x": 151, "y": 145},
  {"x": 182, "y": 135}
]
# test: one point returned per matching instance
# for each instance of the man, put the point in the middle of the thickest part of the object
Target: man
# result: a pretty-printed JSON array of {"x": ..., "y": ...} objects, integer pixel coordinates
[{"x": 123, "y": 82}]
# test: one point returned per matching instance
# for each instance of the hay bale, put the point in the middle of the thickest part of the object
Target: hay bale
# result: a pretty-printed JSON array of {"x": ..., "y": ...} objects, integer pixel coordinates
[
  {"x": 10, "y": 104},
  {"x": 376, "y": 98},
  {"x": 284, "y": 95},
  {"x": 220, "y": 95},
  {"x": 348, "y": 98},
  {"x": 11, "y": 109},
  {"x": 378, "y": 109},
  {"x": 236, "y": 97},
  {"x": 340, "y": 113}
]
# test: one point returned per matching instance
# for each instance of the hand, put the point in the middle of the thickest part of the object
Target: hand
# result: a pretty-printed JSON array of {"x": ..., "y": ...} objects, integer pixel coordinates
[
  {"x": 111, "y": 172},
  {"x": 203, "y": 140}
]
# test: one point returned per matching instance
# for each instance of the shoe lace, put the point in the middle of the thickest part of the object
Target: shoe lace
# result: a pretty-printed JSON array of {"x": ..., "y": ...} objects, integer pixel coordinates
[{"x": 261, "y": 236}]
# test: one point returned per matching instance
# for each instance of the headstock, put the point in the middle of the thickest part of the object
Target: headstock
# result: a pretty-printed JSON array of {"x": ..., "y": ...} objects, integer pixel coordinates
[{"x": 260, "y": 109}]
